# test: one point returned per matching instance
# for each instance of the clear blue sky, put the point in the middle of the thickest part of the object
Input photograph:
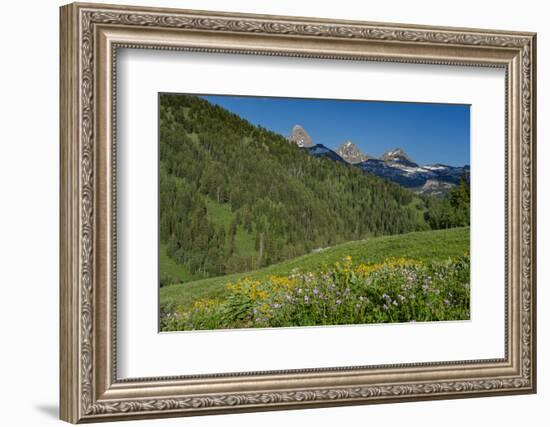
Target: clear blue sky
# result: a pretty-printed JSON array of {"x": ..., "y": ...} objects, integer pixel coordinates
[{"x": 429, "y": 133}]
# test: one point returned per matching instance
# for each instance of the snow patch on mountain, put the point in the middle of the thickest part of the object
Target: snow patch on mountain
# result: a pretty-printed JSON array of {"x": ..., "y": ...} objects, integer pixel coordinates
[
  {"x": 351, "y": 153},
  {"x": 397, "y": 155}
]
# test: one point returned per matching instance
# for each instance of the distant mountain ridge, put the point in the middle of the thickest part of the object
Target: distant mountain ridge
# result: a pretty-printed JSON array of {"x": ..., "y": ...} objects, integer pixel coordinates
[
  {"x": 319, "y": 150},
  {"x": 436, "y": 179},
  {"x": 395, "y": 165}
]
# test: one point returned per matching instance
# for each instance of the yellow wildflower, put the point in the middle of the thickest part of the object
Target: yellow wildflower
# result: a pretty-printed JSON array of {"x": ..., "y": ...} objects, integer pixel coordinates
[
  {"x": 346, "y": 263},
  {"x": 203, "y": 304},
  {"x": 278, "y": 283}
]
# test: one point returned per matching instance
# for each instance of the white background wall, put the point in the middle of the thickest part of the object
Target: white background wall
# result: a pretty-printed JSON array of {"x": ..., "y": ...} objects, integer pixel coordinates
[{"x": 29, "y": 170}]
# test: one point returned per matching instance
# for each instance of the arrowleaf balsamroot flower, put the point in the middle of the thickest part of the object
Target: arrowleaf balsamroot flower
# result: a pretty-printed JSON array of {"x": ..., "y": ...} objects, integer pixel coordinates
[{"x": 397, "y": 290}]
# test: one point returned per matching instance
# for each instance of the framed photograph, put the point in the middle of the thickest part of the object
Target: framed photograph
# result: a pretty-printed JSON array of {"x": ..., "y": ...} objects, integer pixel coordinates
[{"x": 266, "y": 212}]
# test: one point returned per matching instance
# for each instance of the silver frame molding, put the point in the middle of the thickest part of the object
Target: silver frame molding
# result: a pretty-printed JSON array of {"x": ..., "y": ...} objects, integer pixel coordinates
[{"x": 90, "y": 37}]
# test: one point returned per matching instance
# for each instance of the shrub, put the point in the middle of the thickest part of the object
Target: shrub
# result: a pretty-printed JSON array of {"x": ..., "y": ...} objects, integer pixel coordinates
[{"x": 166, "y": 279}]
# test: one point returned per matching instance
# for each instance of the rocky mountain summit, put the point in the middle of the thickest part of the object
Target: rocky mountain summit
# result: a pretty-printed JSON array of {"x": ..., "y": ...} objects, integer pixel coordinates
[
  {"x": 351, "y": 153},
  {"x": 300, "y": 137},
  {"x": 397, "y": 155}
]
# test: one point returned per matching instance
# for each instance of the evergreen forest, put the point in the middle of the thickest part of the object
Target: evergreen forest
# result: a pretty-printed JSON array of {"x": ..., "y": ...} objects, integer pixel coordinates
[{"x": 235, "y": 197}]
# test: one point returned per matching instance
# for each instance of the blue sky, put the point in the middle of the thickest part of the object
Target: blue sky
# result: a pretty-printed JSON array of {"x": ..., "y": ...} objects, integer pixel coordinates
[{"x": 429, "y": 133}]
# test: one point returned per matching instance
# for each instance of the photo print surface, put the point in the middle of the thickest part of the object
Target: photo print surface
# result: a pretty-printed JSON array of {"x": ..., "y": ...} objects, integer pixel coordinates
[{"x": 291, "y": 212}]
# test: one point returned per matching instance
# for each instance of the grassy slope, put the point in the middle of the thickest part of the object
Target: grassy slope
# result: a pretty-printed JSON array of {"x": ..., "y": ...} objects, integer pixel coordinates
[
  {"x": 177, "y": 271},
  {"x": 422, "y": 246}
]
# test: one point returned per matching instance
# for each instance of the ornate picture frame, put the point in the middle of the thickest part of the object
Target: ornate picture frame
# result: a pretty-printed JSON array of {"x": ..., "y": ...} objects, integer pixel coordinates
[{"x": 90, "y": 37}]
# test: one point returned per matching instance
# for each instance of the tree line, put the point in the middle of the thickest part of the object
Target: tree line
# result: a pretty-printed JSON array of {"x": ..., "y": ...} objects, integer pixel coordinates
[{"x": 453, "y": 210}]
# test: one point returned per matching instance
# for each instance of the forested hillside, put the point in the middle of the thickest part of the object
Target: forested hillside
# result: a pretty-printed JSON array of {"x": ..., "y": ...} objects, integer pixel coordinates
[{"x": 236, "y": 197}]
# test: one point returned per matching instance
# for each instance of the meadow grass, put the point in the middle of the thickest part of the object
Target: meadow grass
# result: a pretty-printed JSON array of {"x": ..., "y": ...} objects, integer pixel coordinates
[
  {"x": 178, "y": 272},
  {"x": 425, "y": 246},
  {"x": 395, "y": 290}
]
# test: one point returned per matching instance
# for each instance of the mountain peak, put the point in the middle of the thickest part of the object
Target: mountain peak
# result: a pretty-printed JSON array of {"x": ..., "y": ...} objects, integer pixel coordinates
[
  {"x": 396, "y": 155},
  {"x": 300, "y": 137},
  {"x": 351, "y": 153}
]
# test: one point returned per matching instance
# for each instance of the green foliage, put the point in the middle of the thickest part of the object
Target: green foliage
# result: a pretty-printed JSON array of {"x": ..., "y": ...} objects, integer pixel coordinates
[
  {"x": 426, "y": 246},
  {"x": 451, "y": 211},
  {"x": 178, "y": 273},
  {"x": 236, "y": 197},
  {"x": 397, "y": 290},
  {"x": 166, "y": 279}
]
